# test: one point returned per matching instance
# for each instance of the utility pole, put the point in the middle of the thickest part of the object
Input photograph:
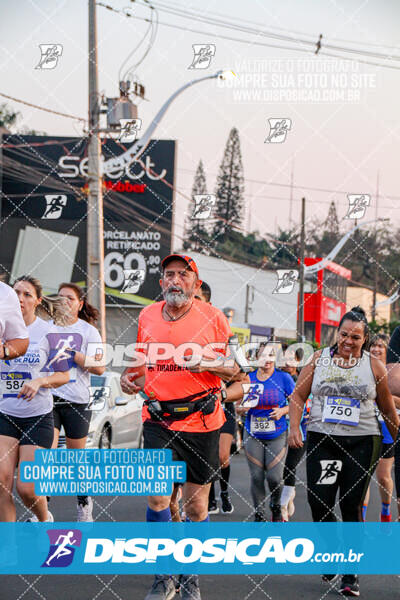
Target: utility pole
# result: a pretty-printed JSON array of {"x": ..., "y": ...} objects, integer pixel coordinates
[
  {"x": 300, "y": 322},
  {"x": 373, "y": 311},
  {"x": 95, "y": 247},
  {"x": 249, "y": 301},
  {"x": 291, "y": 194}
]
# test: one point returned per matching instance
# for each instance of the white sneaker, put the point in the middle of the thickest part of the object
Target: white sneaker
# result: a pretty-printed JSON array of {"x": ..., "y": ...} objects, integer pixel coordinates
[
  {"x": 85, "y": 511},
  {"x": 34, "y": 519}
]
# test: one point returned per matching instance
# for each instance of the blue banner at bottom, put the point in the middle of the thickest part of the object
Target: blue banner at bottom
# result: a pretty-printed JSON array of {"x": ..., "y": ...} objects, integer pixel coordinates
[{"x": 212, "y": 548}]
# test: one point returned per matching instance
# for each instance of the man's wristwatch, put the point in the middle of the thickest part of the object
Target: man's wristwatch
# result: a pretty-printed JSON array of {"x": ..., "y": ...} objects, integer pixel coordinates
[{"x": 224, "y": 395}]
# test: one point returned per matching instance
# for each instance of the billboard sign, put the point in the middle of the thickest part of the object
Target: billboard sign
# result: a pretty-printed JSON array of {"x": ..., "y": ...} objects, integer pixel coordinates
[{"x": 44, "y": 209}]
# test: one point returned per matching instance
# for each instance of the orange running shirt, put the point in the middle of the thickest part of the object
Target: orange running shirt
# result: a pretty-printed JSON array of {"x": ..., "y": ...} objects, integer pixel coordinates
[{"x": 169, "y": 379}]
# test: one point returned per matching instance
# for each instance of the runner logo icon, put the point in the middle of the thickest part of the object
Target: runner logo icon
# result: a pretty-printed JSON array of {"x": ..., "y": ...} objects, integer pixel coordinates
[
  {"x": 278, "y": 129},
  {"x": 330, "y": 469},
  {"x": 203, "y": 54},
  {"x": 63, "y": 543},
  {"x": 134, "y": 278},
  {"x": 129, "y": 129},
  {"x": 54, "y": 206},
  {"x": 50, "y": 55},
  {"x": 358, "y": 204},
  {"x": 252, "y": 393},
  {"x": 98, "y": 396},
  {"x": 62, "y": 350},
  {"x": 286, "y": 280},
  {"x": 203, "y": 206}
]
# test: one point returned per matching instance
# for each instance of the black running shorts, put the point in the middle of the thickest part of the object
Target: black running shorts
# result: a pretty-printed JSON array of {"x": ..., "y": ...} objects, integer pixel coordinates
[
  {"x": 230, "y": 414},
  {"x": 29, "y": 431},
  {"x": 73, "y": 416},
  {"x": 200, "y": 451},
  {"x": 387, "y": 450}
]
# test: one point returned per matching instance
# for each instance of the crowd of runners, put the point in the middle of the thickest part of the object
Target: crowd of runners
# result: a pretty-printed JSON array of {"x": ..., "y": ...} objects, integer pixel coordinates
[{"x": 338, "y": 412}]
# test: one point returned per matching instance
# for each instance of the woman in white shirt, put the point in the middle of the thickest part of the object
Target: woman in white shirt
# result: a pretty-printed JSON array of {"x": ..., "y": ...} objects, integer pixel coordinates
[
  {"x": 13, "y": 333},
  {"x": 81, "y": 338},
  {"x": 26, "y": 402}
]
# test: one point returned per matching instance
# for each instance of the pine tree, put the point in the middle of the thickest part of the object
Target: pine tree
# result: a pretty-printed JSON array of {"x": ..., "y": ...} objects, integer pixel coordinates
[
  {"x": 196, "y": 236},
  {"x": 229, "y": 189},
  {"x": 332, "y": 222}
]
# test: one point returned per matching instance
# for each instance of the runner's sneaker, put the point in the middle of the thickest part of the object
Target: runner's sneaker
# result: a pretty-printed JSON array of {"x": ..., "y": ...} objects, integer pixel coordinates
[
  {"x": 329, "y": 578},
  {"x": 163, "y": 588},
  {"x": 349, "y": 586},
  {"x": 190, "y": 589},
  {"x": 276, "y": 514},
  {"x": 213, "y": 507},
  {"x": 34, "y": 519},
  {"x": 226, "y": 504},
  {"x": 85, "y": 511},
  {"x": 386, "y": 518}
]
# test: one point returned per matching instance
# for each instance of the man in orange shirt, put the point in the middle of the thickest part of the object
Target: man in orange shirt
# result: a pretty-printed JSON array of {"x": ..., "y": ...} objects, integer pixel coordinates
[{"x": 175, "y": 332}]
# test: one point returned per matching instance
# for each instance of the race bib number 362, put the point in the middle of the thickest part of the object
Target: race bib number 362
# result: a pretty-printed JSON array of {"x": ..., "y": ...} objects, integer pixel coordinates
[{"x": 341, "y": 409}]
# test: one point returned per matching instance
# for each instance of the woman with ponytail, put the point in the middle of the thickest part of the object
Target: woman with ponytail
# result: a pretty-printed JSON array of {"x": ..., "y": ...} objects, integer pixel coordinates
[
  {"x": 79, "y": 337},
  {"x": 26, "y": 402},
  {"x": 343, "y": 433}
]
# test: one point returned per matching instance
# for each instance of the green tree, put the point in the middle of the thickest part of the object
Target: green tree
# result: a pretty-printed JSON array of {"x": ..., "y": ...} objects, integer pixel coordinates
[
  {"x": 8, "y": 117},
  {"x": 286, "y": 248},
  {"x": 229, "y": 190}
]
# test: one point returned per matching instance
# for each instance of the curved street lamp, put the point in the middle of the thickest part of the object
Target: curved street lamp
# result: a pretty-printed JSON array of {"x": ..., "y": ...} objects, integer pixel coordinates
[
  {"x": 390, "y": 300},
  {"x": 139, "y": 146},
  {"x": 310, "y": 269}
]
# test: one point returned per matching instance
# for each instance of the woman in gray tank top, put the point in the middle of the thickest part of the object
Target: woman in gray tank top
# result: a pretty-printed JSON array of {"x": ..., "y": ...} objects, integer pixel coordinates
[{"x": 343, "y": 433}]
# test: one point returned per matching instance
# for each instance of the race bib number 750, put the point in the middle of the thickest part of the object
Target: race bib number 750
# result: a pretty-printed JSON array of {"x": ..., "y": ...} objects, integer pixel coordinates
[{"x": 341, "y": 409}]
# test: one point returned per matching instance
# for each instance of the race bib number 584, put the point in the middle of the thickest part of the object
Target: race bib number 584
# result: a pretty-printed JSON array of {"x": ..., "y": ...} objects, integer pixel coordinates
[{"x": 12, "y": 383}]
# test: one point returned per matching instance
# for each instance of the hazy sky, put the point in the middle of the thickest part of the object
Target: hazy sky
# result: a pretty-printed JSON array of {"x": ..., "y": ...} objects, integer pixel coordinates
[{"x": 337, "y": 145}]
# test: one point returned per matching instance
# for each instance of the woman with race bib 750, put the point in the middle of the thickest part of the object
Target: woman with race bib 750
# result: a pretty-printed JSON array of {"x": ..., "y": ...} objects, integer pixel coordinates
[{"x": 343, "y": 433}]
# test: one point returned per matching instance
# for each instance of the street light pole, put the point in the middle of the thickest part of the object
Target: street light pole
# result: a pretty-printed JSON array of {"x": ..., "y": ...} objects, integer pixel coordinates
[
  {"x": 300, "y": 324},
  {"x": 309, "y": 269},
  {"x": 373, "y": 312},
  {"x": 138, "y": 147},
  {"x": 95, "y": 248}
]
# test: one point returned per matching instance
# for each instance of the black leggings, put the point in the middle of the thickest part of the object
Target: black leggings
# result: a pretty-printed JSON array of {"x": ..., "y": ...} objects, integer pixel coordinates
[
  {"x": 293, "y": 457},
  {"x": 344, "y": 463}
]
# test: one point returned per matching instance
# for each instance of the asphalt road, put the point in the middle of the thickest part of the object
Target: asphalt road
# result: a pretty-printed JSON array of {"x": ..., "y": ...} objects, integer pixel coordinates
[{"x": 243, "y": 587}]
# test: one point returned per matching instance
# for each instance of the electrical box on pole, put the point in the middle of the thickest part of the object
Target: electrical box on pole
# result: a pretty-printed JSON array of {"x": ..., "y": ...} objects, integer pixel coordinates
[{"x": 120, "y": 108}]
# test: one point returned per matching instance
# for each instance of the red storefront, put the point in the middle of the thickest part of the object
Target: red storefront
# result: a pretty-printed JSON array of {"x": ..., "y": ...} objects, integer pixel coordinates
[{"x": 325, "y": 304}]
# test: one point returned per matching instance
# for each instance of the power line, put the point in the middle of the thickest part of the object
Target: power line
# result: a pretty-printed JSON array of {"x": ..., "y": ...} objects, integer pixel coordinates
[
  {"x": 274, "y": 36},
  {"x": 297, "y": 187},
  {"x": 184, "y": 13},
  {"x": 313, "y": 36},
  {"x": 49, "y": 110}
]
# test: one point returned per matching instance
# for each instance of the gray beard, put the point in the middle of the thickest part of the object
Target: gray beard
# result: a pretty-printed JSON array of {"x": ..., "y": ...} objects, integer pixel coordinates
[{"x": 177, "y": 300}]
